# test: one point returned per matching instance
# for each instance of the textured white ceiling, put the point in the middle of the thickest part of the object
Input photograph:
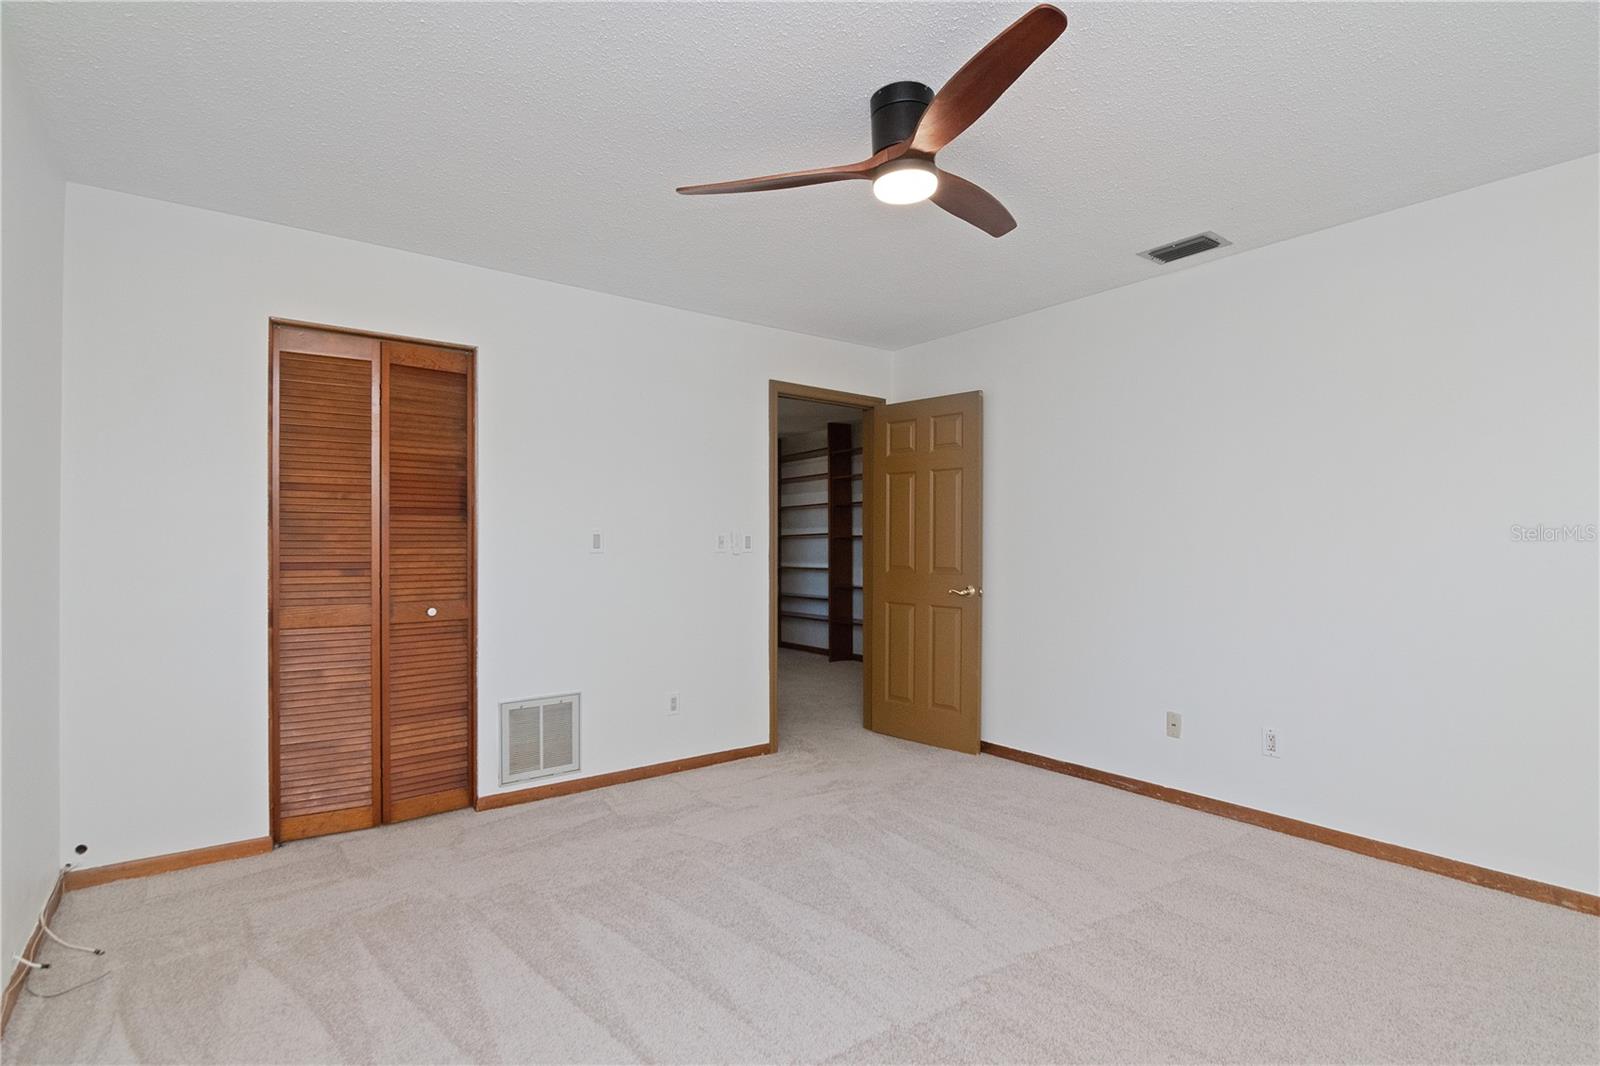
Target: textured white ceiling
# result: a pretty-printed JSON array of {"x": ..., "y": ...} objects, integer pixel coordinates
[{"x": 546, "y": 139}]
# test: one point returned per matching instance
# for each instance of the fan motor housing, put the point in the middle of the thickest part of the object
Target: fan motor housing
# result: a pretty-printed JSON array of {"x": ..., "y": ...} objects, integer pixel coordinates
[{"x": 896, "y": 108}]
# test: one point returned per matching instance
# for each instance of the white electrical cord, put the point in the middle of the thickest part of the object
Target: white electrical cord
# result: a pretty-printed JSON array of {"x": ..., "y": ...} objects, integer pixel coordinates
[
  {"x": 66, "y": 943},
  {"x": 29, "y": 965}
]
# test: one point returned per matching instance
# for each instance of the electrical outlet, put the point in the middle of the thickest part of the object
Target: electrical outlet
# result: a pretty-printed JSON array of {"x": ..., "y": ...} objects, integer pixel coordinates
[
  {"x": 1174, "y": 725},
  {"x": 722, "y": 544},
  {"x": 672, "y": 703},
  {"x": 1269, "y": 742}
]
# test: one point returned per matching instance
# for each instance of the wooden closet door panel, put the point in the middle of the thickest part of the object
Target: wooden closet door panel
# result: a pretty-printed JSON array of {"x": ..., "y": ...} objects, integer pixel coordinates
[
  {"x": 325, "y": 592},
  {"x": 926, "y": 558},
  {"x": 428, "y": 578}
]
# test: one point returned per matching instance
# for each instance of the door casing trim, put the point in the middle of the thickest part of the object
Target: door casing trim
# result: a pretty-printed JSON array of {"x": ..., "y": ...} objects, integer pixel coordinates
[{"x": 790, "y": 390}]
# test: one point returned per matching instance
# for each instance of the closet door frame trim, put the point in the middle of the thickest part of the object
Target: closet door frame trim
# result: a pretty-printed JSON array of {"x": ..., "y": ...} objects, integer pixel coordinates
[
  {"x": 380, "y": 538},
  {"x": 779, "y": 390}
]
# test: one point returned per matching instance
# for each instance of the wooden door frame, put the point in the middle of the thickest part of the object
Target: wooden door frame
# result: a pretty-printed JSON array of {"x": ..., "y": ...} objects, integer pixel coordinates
[
  {"x": 788, "y": 390},
  {"x": 380, "y": 529}
]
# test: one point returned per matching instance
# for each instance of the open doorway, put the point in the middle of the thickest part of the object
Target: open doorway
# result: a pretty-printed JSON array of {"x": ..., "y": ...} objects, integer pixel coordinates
[{"x": 819, "y": 639}]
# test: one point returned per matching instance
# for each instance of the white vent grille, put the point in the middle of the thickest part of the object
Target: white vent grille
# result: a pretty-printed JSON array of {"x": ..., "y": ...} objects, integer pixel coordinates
[{"x": 538, "y": 737}]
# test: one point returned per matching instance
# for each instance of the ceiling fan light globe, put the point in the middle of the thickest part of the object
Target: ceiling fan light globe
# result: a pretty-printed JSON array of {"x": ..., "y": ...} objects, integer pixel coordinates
[{"x": 908, "y": 184}]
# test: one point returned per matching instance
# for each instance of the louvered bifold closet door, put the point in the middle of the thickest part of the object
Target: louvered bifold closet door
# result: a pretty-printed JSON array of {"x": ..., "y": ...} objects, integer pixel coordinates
[
  {"x": 325, "y": 640},
  {"x": 428, "y": 580}
]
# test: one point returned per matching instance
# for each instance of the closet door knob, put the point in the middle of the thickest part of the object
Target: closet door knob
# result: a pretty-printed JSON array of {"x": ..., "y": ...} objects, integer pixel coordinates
[{"x": 432, "y": 611}]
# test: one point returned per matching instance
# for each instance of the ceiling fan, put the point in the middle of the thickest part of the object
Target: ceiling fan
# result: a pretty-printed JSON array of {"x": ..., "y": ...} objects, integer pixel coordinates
[{"x": 911, "y": 123}]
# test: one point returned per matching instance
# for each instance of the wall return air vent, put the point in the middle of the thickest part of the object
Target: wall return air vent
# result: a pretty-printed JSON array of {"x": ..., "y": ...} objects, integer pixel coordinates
[
  {"x": 1171, "y": 253},
  {"x": 538, "y": 737}
]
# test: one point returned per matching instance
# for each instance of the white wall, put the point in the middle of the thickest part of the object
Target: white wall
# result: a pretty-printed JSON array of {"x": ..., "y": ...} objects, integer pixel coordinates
[
  {"x": 30, "y": 466},
  {"x": 593, "y": 412},
  {"x": 1278, "y": 490}
]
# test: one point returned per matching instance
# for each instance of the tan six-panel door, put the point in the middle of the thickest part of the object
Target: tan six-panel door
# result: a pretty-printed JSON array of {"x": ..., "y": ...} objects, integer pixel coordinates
[{"x": 926, "y": 559}]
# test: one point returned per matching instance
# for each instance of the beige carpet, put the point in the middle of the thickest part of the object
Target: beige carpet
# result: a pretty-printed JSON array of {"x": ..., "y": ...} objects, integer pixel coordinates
[{"x": 853, "y": 899}]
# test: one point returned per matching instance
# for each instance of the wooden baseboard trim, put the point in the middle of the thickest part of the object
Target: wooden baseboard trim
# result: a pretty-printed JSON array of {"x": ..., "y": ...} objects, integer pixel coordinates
[
  {"x": 160, "y": 864},
  {"x": 99, "y": 875},
  {"x": 30, "y": 950},
  {"x": 618, "y": 777},
  {"x": 1570, "y": 898}
]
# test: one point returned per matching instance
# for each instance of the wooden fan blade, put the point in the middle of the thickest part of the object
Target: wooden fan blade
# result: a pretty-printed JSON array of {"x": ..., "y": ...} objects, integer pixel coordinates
[
  {"x": 970, "y": 203},
  {"x": 976, "y": 86},
  {"x": 792, "y": 180}
]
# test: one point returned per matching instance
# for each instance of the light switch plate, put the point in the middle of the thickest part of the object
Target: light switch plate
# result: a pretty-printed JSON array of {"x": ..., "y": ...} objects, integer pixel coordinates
[
  {"x": 596, "y": 542},
  {"x": 722, "y": 544}
]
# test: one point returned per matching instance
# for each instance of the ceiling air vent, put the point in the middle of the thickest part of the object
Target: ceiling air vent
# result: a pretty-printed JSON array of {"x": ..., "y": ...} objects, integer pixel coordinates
[
  {"x": 1171, "y": 253},
  {"x": 538, "y": 737}
]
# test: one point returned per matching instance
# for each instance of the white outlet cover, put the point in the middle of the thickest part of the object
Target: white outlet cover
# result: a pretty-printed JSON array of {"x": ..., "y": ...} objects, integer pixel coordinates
[
  {"x": 672, "y": 703},
  {"x": 1269, "y": 743},
  {"x": 733, "y": 542}
]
